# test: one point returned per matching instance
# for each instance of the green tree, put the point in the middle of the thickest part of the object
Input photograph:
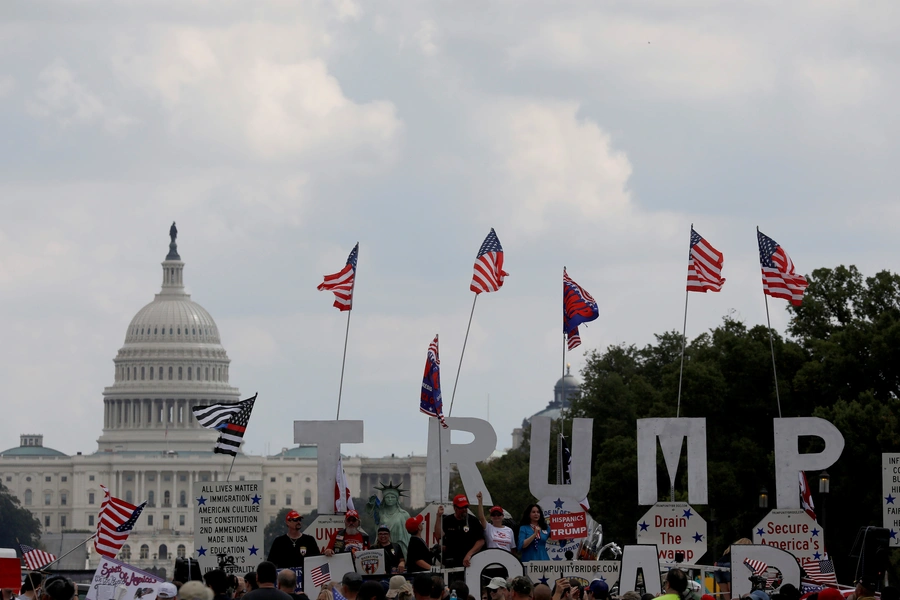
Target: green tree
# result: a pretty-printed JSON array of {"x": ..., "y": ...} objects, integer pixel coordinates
[
  {"x": 16, "y": 522},
  {"x": 842, "y": 363}
]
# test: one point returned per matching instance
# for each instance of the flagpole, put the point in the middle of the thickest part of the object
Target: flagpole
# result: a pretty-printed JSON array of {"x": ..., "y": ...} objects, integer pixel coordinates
[
  {"x": 227, "y": 477},
  {"x": 683, "y": 344},
  {"x": 771, "y": 341},
  {"x": 343, "y": 362},
  {"x": 772, "y": 347},
  {"x": 462, "y": 354},
  {"x": 69, "y": 552}
]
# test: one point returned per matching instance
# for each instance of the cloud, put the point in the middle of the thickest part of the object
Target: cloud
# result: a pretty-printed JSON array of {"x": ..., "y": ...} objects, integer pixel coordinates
[
  {"x": 7, "y": 85},
  {"x": 63, "y": 98},
  {"x": 247, "y": 87},
  {"x": 553, "y": 164}
]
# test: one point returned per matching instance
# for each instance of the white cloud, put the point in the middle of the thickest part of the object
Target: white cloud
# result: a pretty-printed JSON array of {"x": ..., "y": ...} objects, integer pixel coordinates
[
  {"x": 248, "y": 87},
  {"x": 554, "y": 164},
  {"x": 7, "y": 85},
  {"x": 61, "y": 97},
  {"x": 425, "y": 37}
]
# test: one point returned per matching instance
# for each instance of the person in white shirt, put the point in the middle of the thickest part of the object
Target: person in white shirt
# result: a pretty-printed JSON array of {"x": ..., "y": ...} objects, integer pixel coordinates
[{"x": 496, "y": 534}]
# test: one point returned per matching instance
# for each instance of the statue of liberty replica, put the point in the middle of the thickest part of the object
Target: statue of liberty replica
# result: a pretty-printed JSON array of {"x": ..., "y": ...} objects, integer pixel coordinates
[{"x": 387, "y": 511}]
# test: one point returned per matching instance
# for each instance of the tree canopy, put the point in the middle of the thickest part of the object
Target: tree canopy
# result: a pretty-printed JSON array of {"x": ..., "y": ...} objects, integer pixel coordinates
[
  {"x": 839, "y": 363},
  {"x": 16, "y": 522}
]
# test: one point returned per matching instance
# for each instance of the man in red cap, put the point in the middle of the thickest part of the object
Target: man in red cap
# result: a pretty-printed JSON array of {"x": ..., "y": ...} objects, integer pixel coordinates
[
  {"x": 290, "y": 549},
  {"x": 350, "y": 538},
  {"x": 418, "y": 556},
  {"x": 462, "y": 534}
]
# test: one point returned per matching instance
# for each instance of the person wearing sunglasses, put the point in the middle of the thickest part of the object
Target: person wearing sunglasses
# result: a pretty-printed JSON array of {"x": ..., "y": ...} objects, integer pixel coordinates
[
  {"x": 289, "y": 550},
  {"x": 349, "y": 539}
]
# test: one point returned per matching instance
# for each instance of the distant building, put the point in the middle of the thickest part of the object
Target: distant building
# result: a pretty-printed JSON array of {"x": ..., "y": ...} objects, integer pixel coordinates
[
  {"x": 566, "y": 388},
  {"x": 153, "y": 450}
]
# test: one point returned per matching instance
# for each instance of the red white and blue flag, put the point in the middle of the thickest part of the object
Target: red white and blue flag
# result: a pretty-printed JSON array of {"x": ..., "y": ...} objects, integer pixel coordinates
[
  {"x": 779, "y": 277},
  {"x": 34, "y": 558},
  {"x": 704, "y": 266},
  {"x": 341, "y": 283},
  {"x": 430, "y": 401},
  {"x": 117, "y": 519},
  {"x": 757, "y": 566},
  {"x": 230, "y": 418},
  {"x": 578, "y": 307},
  {"x": 320, "y": 575},
  {"x": 806, "y": 501},
  {"x": 820, "y": 571},
  {"x": 488, "y": 272}
]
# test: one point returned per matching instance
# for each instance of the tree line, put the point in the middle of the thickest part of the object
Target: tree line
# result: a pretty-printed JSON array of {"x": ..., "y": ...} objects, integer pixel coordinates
[{"x": 840, "y": 361}]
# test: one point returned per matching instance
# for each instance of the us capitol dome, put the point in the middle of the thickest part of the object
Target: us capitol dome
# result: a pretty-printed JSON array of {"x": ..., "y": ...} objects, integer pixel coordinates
[
  {"x": 172, "y": 360},
  {"x": 152, "y": 449}
]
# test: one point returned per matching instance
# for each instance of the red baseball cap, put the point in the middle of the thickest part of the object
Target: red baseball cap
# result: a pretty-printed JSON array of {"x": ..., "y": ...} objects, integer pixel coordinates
[
  {"x": 460, "y": 501},
  {"x": 351, "y": 514},
  {"x": 413, "y": 524},
  {"x": 292, "y": 515},
  {"x": 496, "y": 509}
]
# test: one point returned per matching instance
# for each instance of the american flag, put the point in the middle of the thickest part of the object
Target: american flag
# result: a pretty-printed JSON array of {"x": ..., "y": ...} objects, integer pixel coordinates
[
  {"x": 704, "y": 266},
  {"x": 430, "y": 401},
  {"x": 780, "y": 279},
  {"x": 117, "y": 519},
  {"x": 35, "y": 559},
  {"x": 230, "y": 419},
  {"x": 820, "y": 571},
  {"x": 757, "y": 566},
  {"x": 320, "y": 575},
  {"x": 578, "y": 307},
  {"x": 489, "y": 273},
  {"x": 341, "y": 283}
]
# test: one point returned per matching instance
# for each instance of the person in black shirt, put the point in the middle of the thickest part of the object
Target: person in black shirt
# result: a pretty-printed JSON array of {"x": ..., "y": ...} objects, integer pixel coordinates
[
  {"x": 394, "y": 562},
  {"x": 290, "y": 549},
  {"x": 418, "y": 555},
  {"x": 461, "y": 532}
]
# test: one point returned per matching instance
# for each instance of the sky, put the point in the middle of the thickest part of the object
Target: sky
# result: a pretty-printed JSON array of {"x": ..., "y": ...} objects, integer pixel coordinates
[{"x": 278, "y": 134}]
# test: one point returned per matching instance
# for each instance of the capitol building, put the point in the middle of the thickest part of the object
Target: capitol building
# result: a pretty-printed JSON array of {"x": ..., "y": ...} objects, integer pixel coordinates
[{"x": 152, "y": 449}]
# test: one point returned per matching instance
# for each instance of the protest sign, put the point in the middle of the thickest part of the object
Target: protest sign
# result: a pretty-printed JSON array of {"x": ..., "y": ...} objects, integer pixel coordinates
[
  {"x": 548, "y": 571},
  {"x": 792, "y": 530},
  {"x": 228, "y": 525},
  {"x": 673, "y": 527},
  {"x": 323, "y": 529},
  {"x": 568, "y": 526},
  {"x": 325, "y": 569},
  {"x": 890, "y": 468},
  {"x": 111, "y": 574},
  {"x": 370, "y": 562}
]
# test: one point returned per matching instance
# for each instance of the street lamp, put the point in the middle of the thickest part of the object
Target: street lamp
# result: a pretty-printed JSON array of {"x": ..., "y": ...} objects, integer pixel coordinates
[
  {"x": 764, "y": 498},
  {"x": 824, "y": 490}
]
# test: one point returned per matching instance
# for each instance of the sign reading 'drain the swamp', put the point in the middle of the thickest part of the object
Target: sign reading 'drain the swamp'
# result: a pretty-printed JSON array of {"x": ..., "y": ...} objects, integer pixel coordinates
[
  {"x": 228, "y": 525},
  {"x": 112, "y": 576},
  {"x": 791, "y": 530},
  {"x": 890, "y": 468},
  {"x": 673, "y": 527}
]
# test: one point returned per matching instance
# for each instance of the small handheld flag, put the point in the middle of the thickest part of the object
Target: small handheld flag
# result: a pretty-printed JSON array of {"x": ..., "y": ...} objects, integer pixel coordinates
[
  {"x": 578, "y": 307},
  {"x": 780, "y": 278},
  {"x": 230, "y": 418},
  {"x": 430, "y": 401},
  {"x": 341, "y": 283},
  {"x": 488, "y": 271},
  {"x": 34, "y": 558},
  {"x": 320, "y": 575},
  {"x": 117, "y": 519},
  {"x": 342, "y": 501},
  {"x": 704, "y": 266},
  {"x": 806, "y": 501}
]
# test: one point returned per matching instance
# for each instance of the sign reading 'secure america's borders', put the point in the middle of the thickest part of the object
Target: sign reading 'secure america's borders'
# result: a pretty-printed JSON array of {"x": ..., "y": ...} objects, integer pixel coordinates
[{"x": 228, "y": 525}]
